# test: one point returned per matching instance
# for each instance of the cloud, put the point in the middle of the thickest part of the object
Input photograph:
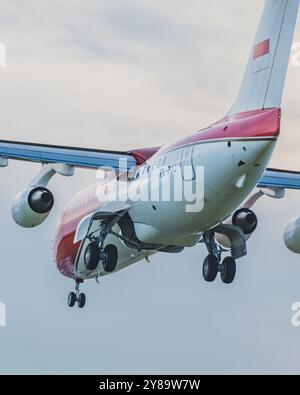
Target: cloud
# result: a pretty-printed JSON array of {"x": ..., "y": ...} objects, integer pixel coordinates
[
  {"x": 117, "y": 69},
  {"x": 123, "y": 74}
]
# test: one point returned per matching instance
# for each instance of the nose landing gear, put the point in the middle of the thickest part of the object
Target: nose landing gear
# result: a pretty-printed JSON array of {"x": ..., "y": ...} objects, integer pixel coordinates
[{"x": 77, "y": 296}]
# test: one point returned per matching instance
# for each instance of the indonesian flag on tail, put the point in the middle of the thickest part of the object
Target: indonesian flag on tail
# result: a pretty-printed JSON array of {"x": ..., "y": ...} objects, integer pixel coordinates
[
  {"x": 264, "y": 78},
  {"x": 261, "y": 56},
  {"x": 261, "y": 49}
]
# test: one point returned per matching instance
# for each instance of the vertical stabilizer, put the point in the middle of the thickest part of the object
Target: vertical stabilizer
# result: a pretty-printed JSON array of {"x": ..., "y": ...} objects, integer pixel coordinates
[{"x": 264, "y": 79}]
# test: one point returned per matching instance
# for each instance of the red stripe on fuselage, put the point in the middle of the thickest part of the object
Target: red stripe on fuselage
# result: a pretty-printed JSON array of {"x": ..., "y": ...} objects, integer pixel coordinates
[
  {"x": 65, "y": 249},
  {"x": 251, "y": 124}
]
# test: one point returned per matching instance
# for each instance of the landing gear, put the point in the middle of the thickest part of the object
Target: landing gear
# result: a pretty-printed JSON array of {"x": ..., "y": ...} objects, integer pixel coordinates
[
  {"x": 108, "y": 256},
  {"x": 72, "y": 298},
  {"x": 210, "y": 268},
  {"x": 213, "y": 263},
  {"x": 81, "y": 299},
  {"x": 77, "y": 296},
  {"x": 92, "y": 256},
  {"x": 228, "y": 270}
]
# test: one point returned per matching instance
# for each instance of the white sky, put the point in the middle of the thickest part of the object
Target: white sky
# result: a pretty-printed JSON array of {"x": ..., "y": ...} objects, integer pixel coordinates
[{"x": 119, "y": 74}]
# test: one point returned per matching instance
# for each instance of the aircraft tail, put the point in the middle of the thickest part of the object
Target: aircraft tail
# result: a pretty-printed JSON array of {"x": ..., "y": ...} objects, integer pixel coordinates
[{"x": 263, "y": 83}]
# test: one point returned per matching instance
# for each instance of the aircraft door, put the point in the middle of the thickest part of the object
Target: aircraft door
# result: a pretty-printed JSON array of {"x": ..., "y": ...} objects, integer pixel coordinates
[{"x": 186, "y": 163}]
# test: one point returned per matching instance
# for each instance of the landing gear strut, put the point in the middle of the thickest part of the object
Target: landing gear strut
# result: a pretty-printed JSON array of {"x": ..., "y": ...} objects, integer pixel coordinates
[
  {"x": 213, "y": 263},
  {"x": 77, "y": 296}
]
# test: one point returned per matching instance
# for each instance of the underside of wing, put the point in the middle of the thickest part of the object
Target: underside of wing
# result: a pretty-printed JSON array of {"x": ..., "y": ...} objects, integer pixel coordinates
[{"x": 277, "y": 178}]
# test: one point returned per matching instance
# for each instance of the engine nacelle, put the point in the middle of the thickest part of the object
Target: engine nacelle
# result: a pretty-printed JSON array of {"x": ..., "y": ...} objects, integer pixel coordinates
[
  {"x": 291, "y": 235},
  {"x": 246, "y": 220},
  {"x": 31, "y": 207}
]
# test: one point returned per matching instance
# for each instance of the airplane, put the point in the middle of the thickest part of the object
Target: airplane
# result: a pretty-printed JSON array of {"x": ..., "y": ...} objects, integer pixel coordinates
[{"x": 109, "y": 226}]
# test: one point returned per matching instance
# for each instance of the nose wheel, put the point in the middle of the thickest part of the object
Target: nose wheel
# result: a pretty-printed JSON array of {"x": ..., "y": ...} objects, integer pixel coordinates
[
  {"x": 76, "y": 297},
  {"x": 72, "y": 299}
]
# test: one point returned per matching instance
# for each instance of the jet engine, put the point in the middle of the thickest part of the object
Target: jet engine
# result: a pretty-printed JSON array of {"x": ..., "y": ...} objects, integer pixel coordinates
[
  {"x": 245, "y": 219},
  {"x": 31, "y": 207},
  {"x": 291, "y": 235}
]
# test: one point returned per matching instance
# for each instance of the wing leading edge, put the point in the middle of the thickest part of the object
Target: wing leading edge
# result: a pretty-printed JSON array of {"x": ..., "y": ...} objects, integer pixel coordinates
[
  {"x": 276, "y": 178},
  {"x": 80, "y": 157},
  {"x": 119, "y": 160}
]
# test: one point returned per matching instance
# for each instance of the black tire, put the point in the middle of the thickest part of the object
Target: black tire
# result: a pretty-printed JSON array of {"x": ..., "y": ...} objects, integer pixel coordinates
[
  {"x": 110, "y": 261},
  {"x": 81, "y": 300},
  {"x": 92, "y": 256},
  {"x": 210, "y": 268},
  {"x": 228, "y": 270},
  {"x": 72, "y": 299}
]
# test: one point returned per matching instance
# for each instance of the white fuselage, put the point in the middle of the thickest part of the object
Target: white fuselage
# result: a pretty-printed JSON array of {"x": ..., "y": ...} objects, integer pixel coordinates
[{"x": 231, "y": 171}]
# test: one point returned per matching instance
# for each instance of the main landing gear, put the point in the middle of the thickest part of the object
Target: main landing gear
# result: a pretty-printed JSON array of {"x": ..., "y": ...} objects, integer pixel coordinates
[
  {"x": 108, "y": 256},
  {"x": 212, "y": 266},
  {"x": 92, "y": 252},
  {"x": 77, "y": 296},
  {"x": 213, "y": 263},
  {"x": 95, "y": 252}
]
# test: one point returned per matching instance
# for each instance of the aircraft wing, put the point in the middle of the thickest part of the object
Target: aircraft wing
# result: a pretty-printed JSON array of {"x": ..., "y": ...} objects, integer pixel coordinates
[
  {"x": 80, "y": 157},
  {"x": 286, "y": 179},
  {"x": 124, "y": 160}
]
